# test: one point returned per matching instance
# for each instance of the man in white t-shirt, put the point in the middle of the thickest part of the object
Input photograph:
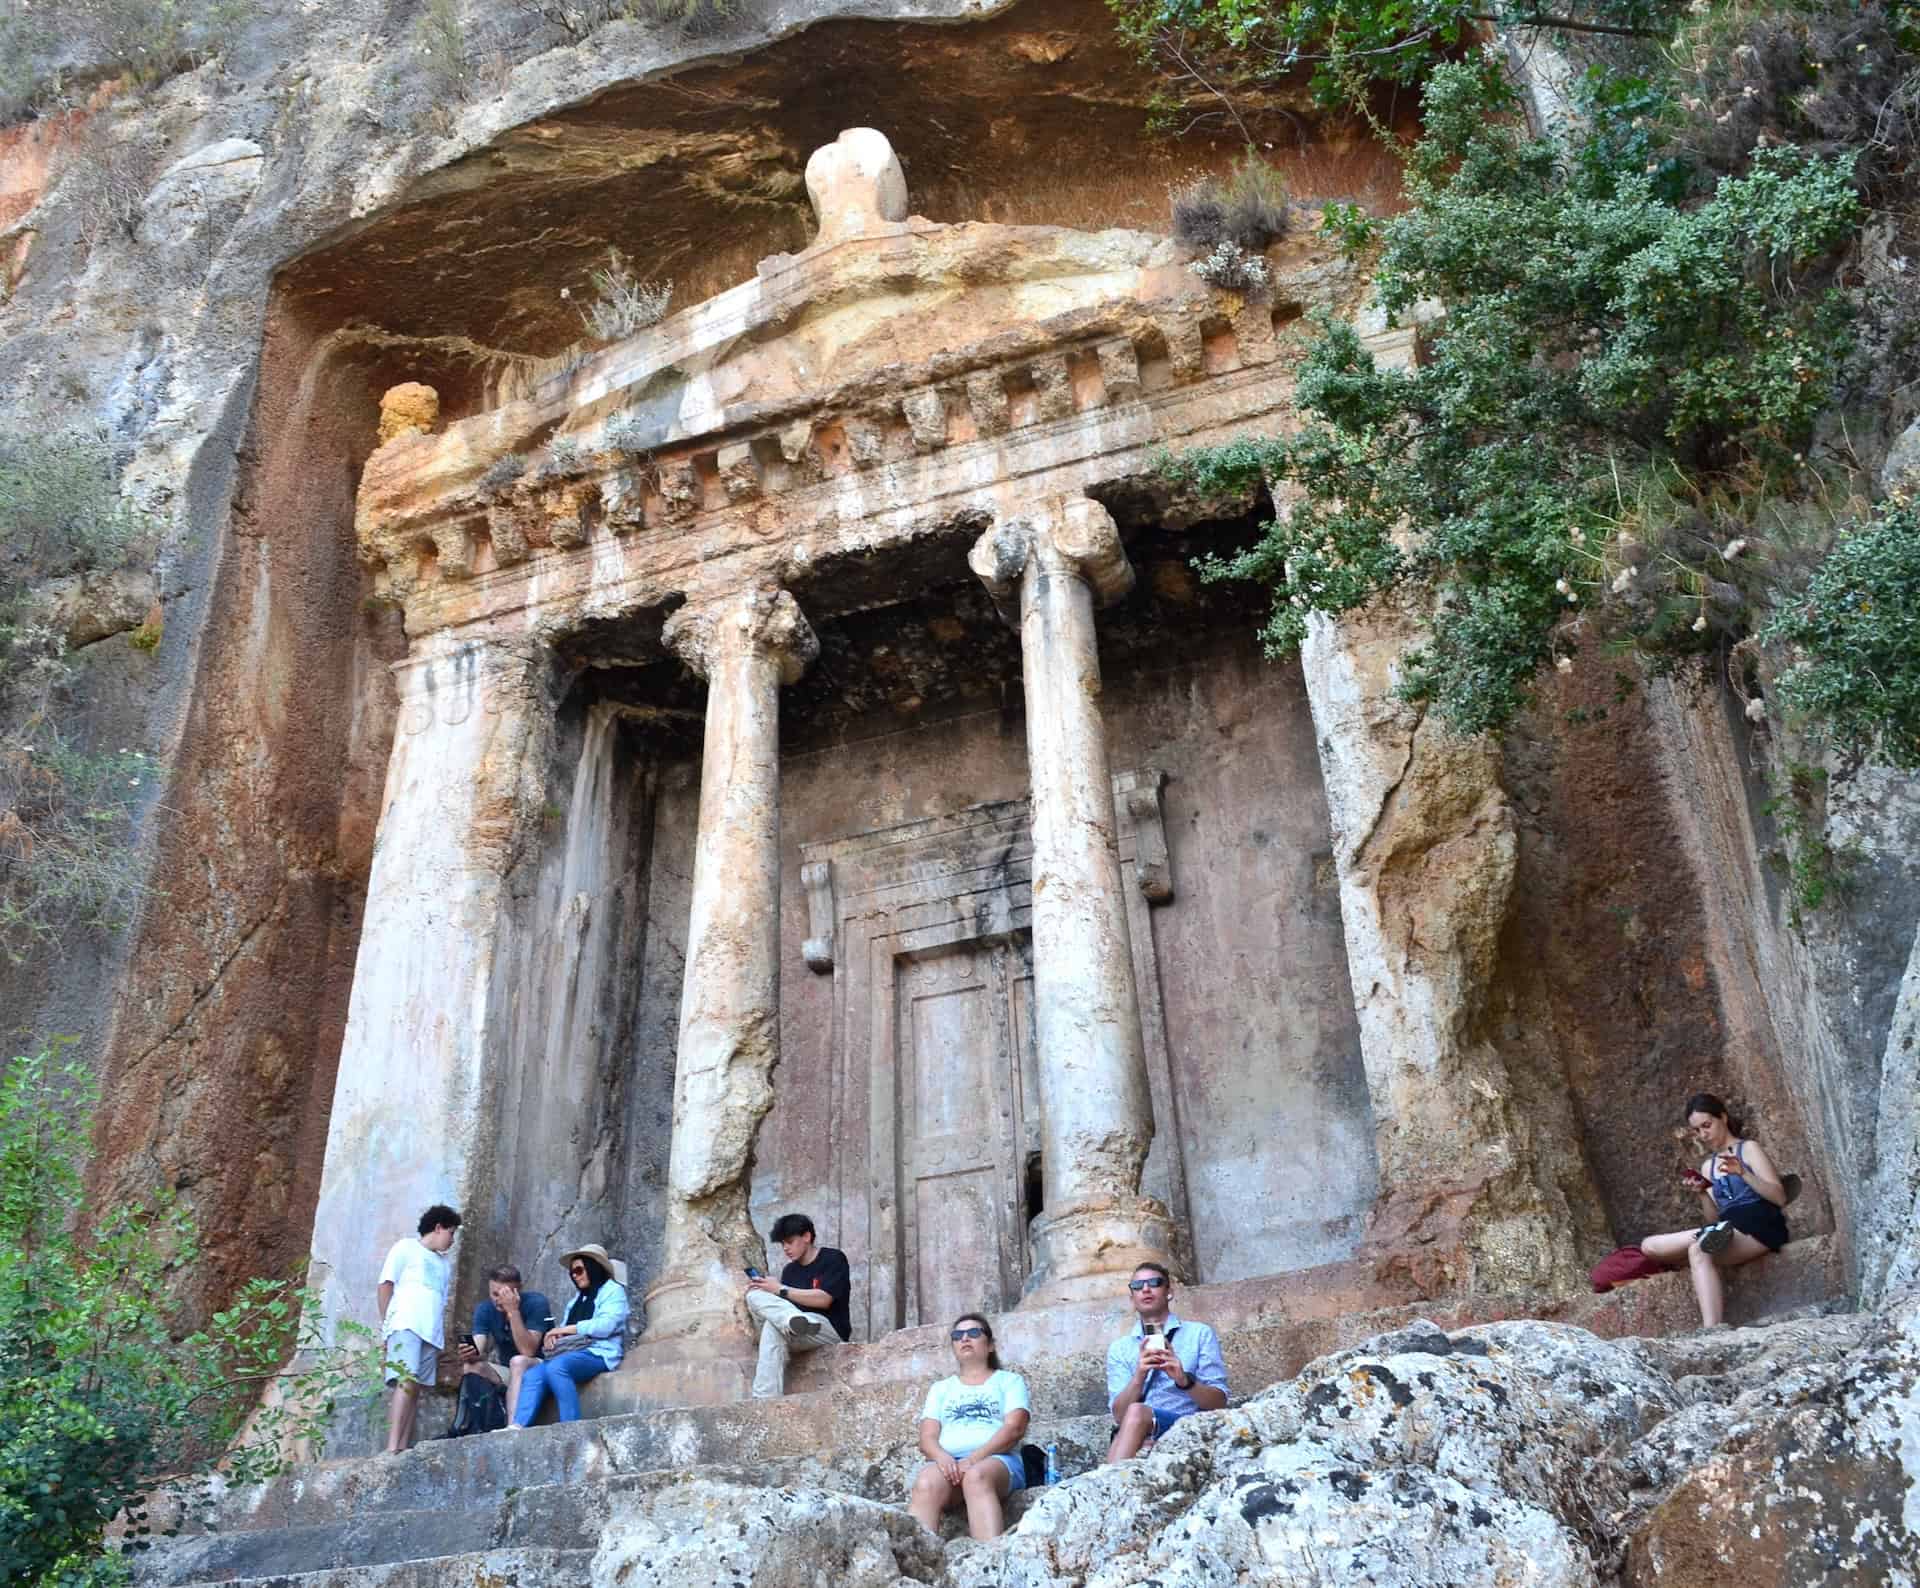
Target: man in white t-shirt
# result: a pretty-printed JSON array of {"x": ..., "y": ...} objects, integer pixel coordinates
[{"x": 413, "y": 1310}]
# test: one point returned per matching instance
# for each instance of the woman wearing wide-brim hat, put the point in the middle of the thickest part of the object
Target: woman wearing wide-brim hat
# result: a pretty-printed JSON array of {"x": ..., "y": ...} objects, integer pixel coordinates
[{"x": 590, "y": 1340}]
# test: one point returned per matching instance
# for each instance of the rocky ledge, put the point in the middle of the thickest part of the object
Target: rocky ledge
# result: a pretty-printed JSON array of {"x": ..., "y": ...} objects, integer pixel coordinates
[{"x": 1506, "y": 1453}]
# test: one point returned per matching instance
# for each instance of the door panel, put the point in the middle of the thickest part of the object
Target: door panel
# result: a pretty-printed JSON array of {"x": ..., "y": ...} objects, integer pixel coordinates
[{"x": 959, "y": 1093}]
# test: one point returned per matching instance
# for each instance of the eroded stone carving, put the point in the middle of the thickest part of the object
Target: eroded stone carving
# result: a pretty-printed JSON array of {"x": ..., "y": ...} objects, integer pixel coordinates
[
  {"x": 1096, "y": 1102},
  {"x": 856, "y": 186},
  {"x": 817, "y": 878},
  {"x": 746, "y": 646}
]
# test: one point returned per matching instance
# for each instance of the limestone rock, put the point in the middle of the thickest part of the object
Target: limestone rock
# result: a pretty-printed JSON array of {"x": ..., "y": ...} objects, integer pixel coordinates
[
  {"x": 1821, "y": 1488},
  {"x": 84, "y": 608},
  {"x": 688, "y": 1528},
  {"x": 410, "y": 408}
]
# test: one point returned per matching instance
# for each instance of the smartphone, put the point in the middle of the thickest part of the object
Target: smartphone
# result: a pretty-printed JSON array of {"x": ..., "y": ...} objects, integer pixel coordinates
[
  {"x": 467, "y": 1341},
  {"x": 754, "y": 1273}
]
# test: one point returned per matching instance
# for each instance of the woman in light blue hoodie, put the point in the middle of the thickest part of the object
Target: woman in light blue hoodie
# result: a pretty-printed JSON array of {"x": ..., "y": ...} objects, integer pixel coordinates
[{"x": 590, "y": 1340}]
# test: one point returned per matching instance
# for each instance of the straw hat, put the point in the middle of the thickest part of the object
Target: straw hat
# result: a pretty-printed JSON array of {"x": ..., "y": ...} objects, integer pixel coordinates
[{"x": 612, "y": 1265}]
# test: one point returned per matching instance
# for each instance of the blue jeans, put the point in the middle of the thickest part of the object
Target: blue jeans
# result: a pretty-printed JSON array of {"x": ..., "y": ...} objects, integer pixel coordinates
[{"x": 563, "y": 1375}]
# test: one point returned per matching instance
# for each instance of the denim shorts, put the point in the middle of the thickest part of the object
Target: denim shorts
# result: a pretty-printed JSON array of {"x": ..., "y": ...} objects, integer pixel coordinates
[
  {"x": 1016, "y": 1470},
  {"x": 1162, "y": 1421}
]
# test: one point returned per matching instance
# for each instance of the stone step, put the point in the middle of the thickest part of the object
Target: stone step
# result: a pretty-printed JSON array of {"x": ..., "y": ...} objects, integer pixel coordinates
[
  {"x": 552, "y": 1517},
  {"x": 527, "y": 1489},
  {"x": 504, "y": 1568}
]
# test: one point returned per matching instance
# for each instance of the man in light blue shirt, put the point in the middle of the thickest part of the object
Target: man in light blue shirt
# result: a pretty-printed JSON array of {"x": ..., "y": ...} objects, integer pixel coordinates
[{"x": 1160, "y": 1370}]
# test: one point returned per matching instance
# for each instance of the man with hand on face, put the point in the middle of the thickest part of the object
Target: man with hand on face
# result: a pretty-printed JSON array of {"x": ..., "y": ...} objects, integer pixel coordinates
[
  {"x": 794, "y": 1314},
  {"x": 1160, "y": 1370},
  {"x": 508, "y": 1330}
]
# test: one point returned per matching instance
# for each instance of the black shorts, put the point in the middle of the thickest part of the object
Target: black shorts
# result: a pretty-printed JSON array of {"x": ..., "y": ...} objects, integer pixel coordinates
[{"x": 1762, "y": 1220}]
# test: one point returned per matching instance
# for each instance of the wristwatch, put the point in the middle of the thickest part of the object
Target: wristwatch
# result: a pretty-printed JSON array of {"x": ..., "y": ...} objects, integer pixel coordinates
[{"x": 783, "y": 1292}]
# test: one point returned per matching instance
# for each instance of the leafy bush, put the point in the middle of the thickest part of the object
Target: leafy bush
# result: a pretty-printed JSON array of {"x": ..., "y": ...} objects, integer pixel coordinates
[
  {"x": 69, "y": 858},
  {"x": 1212, "y": 51},
  {"x": 1852, "y": 639},
  {"x": 1598, "y": 325},
  {"x": 621, "y": 302},
  {"x": 106, "y": 1401}
]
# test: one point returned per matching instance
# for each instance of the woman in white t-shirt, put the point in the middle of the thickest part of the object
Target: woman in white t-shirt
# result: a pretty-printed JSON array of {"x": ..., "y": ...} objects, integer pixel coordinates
[{"x": 970, "y": 1433}]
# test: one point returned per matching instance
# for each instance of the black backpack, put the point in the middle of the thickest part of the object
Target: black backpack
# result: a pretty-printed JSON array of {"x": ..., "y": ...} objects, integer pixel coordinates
[{"x": 481, "y": 1409}]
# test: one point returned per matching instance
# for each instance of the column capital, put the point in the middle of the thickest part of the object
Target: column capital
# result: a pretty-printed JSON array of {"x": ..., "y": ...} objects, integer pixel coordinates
[
  {"x": 758, "y": 622},
  {"x": 1062, "y": 535}
]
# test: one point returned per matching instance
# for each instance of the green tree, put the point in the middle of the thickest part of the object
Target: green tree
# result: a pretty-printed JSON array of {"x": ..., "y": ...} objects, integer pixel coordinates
[
  {"x": 106, "y": 1401},
  {"x": 1599, "y": 320}
]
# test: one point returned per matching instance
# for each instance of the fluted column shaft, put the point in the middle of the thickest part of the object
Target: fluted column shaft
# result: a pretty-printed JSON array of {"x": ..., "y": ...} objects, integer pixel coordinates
[
  {"x": 746, "y": 647},
  {"x": 1096, "y": 1104}
]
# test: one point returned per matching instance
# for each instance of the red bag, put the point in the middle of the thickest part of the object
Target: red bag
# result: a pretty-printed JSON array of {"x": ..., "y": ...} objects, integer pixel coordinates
[{"x": 1618, "y": 1267}]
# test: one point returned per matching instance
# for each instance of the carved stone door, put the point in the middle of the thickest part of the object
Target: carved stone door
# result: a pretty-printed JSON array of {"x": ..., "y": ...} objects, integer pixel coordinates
[
  {"x": 925, "y": 929},
  {"x": 964, "y": 1105}
]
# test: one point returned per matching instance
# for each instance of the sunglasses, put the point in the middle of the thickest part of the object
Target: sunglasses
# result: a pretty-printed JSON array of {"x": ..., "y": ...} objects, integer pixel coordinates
[
  {"x": 1146, "y": 1284},
  {"x": 578, "y": 1268},
  {"x": 971, "y": 1332}
]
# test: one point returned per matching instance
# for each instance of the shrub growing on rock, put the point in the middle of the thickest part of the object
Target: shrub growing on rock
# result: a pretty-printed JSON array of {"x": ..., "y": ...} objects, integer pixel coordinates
[
  {"x": 108, "y": 1398},
  {"x": 622, "y": 303}
]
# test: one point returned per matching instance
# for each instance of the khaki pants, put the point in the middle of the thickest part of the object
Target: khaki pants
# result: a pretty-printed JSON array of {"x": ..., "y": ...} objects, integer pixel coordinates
[{"x": 776, "y": 1317}]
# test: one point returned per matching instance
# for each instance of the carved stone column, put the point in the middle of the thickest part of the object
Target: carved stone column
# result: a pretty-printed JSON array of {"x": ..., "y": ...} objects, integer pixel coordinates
[
  {"x": 746, "y": 646},
  {"x": 1096, "y": 1103},
  {"x": 426, "y": 1057}
]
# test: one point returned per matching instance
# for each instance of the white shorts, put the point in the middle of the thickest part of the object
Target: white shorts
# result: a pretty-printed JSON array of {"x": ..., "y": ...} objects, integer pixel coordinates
[{"x": 406, "y": 1350}]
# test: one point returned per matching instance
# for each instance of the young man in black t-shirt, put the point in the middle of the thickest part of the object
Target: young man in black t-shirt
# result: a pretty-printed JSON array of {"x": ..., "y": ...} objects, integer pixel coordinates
[{"x": 796, "y": 1313}]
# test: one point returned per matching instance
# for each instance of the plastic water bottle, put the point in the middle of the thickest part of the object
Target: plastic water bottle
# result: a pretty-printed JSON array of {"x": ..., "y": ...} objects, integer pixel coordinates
[{"x": 1053, "y": 1462}]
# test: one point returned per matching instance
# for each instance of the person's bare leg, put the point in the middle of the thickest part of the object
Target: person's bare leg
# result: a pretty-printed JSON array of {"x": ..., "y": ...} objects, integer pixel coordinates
[
  {"x": 406, "y": 1400},
  {"x": 1707, "y": 1289},
  {"x": 931, "y": 1495},
  {"x": 1136, "y": 1428},
  {"x": 516, "y": 1371},
  {"x": 1669, "y": 1248},
  {"x": 1707, "y": 1284},
  {"x": 985, "y": 1486}
]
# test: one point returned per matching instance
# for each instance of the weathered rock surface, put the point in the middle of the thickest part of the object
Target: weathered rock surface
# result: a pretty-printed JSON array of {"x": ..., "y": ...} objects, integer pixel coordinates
[{"x": 1507, "y": 1453}]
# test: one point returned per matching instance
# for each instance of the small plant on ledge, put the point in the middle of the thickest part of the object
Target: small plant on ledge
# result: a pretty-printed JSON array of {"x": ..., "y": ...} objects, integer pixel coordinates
[
  {"x": 1248, "y": 209},
  {"x": 1232, "y": 269},
  {"x": 622, "y": 303},
  {"x": 502, "y": 472}
]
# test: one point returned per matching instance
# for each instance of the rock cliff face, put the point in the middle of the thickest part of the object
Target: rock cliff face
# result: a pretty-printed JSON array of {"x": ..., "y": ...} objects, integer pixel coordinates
[{"x": 1548, "y": 945}]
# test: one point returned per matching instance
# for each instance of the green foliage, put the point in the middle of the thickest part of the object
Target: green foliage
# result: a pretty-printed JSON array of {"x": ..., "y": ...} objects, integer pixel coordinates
[
  {"x": 1817, "y": 871},
  {"x": 106, "y": 1401},
  {"x": 1595, "y": 325},
  {"x": 442, "y": 35},
  {"x": 1211, "y": 49},
  {"x": 621, "y": 303},
  {"x": 1853, "y": 641},
  {"x": 68, "y": 814}
]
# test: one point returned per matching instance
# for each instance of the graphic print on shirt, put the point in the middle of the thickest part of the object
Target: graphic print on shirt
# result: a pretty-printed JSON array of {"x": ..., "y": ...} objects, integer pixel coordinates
[{"x": 981, "y": 1409}]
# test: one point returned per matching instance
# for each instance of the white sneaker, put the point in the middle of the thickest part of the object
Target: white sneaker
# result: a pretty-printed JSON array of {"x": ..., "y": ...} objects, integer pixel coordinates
[{"x": 1716, "y": 1238}]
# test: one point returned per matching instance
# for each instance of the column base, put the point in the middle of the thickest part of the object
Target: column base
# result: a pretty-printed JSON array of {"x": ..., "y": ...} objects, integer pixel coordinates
[
  {"x": 684, "y": 1370},
  {"x": 1086, "y": 1252}
]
